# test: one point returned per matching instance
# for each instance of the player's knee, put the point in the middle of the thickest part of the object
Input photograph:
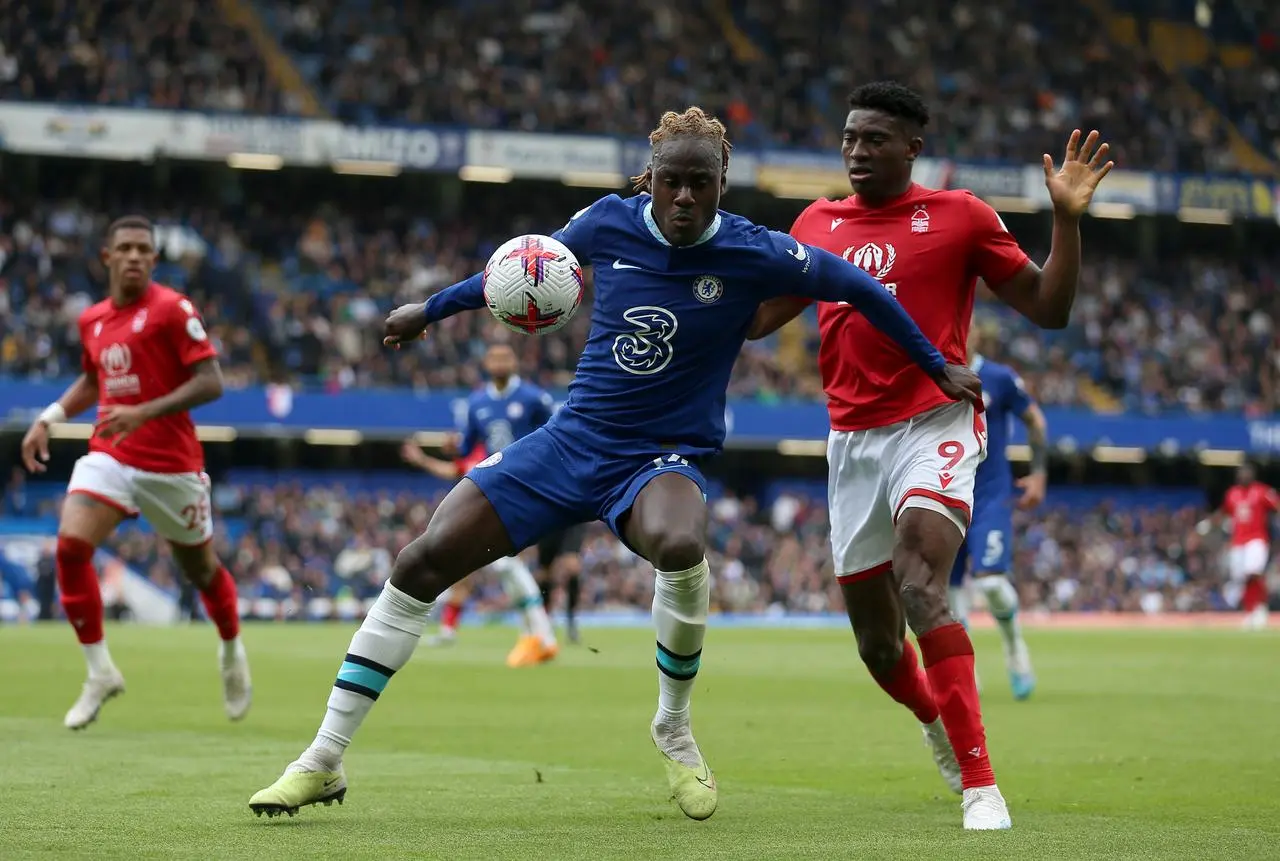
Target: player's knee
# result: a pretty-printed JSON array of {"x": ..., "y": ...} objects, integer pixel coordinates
[
  {"x": 72, "y": 551},
  {"x": 880, "y": 651},
  {"x": 199, "y": 564},
  {"x": 924, "y": 603},
  {"x": 675, "y": 549}
]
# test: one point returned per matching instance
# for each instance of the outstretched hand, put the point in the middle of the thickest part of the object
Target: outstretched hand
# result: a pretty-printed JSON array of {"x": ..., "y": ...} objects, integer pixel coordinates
[
  {"x": 960, "y": 383},
  {"x": 404, "y": 324},
  {"x": 1072, "y": 186}
]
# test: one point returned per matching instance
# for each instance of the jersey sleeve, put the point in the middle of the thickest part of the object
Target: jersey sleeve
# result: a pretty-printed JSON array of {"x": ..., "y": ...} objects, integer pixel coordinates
[
  {"x": 580, "y": 233},
  {"x": 543, "y": 406},
  {"x": 470, "y": 431},
  {"x": 186, "y": 334},
  {"x": 1020, "y": 399},
  {"x": 800, "y": 232},
  {"x": 473, "y": 456},
  {"x": 995, "y": 255},
  {"x": 86, "y": 361}
]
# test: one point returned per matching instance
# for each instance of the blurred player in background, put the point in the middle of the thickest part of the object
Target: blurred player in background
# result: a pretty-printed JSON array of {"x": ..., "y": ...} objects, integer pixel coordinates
[
  {"x": 677, "y": 283},
  {"x": 988, "y": 543},
  {"x": 559, "y": 561},
  {"x": 146, "y": 361},
  {"x": 505, "y": 410},
  {"x": 1249, "y": 505},
  {"x": 903, "y": 461}
]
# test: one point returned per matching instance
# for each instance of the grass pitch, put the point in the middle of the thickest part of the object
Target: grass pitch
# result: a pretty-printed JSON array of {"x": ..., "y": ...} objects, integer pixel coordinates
[{"x": 1152, "y": 744}]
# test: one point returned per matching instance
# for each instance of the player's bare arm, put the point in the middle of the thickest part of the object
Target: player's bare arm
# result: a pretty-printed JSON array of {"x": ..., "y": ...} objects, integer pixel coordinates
[
  {"x": 1035, "y": 483},
  {"x": 1045, "y": 295},
  {"x": 117, "y": 421},
  {"x": 774, "y": 314},
  {"x": 415, "y": 456},
  {"x": 78, "y": 397}
]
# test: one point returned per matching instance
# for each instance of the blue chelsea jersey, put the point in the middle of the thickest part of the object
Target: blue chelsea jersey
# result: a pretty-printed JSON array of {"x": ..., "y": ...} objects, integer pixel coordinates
[
  {"x": 668, "y": 322},
  {"x": 1006, "y": 399},
  {"x": 498, "y": 417}
]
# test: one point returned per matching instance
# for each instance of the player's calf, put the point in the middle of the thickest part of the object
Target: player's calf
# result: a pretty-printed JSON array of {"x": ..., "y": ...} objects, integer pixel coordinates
[
  {"x": 1002, "y": 600},
  {"x": 465, "y": 535},
  {"x": 926, "y": 544},
  {"x": 221, "y": 602},
  {"x": 667, "y": 525}
]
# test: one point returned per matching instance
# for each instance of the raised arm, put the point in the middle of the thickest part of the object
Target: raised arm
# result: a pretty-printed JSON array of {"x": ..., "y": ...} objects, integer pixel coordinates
[{"x": 1046, "y": 294}]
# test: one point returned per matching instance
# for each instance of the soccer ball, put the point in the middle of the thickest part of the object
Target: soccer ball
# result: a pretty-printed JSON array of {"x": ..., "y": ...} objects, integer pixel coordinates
[{"x": 533, "y": 284}]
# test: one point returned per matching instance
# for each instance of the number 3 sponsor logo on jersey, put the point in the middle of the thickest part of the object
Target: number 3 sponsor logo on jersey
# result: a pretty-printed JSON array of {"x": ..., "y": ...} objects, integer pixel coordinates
[{"x": 648, "y": 349}]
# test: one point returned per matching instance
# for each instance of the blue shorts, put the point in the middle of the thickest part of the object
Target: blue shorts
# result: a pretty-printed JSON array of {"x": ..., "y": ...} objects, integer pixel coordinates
[
  {"x": 989, "y": 541},
  {"x": 547, "y": 481}
]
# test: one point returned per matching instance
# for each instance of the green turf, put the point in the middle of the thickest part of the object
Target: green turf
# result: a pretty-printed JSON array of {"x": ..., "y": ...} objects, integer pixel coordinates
[{"x": 1137, "y": 745}]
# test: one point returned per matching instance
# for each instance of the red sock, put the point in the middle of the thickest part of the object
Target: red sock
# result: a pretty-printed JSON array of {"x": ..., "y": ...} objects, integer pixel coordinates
[
  {"x": 908, "y": 684},
  {"x": 1254, "y": 594},
  {"x": 78, "y": 583},
  {"x": 948, "y": 660},
  {"x": 222, "y": 604},
  {"x": 449, "y": 616}
]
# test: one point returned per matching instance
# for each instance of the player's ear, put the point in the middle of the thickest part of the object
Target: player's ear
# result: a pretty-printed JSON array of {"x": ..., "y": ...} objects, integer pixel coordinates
[
  {"x": 105, "y": 254},
  {"x": 915, "y": 144},
  {"x": 724, "y": 181}
]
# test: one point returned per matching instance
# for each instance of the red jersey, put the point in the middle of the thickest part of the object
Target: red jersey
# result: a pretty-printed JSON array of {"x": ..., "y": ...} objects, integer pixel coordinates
[
  {"x": 140, "y": 352},
  {"x": 1248, "y": 507},
  {"x": 928, "y": 248},
  {"x": 465, "y": 462}
]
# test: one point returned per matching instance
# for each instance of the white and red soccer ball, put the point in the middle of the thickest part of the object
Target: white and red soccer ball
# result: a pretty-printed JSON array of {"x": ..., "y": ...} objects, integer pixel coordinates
[{"x": 533, "y": 284}]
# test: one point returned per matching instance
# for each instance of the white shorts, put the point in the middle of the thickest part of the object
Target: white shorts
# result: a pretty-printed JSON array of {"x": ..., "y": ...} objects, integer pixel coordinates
[
  {"x": 178, "y": 505},
  {"x": 1245, "y": 560},
  {"x": 929, "y": 461}
]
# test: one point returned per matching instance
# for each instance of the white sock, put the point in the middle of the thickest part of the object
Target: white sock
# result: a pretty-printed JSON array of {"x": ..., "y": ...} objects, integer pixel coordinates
[
  {"x": 98, "y": 659},
  {"x": 680, "y": 600},
  {"x": 232, "y": 651},
  {"x": 1002, "y": 599},
  {"x": 958, "y": 598},
  {"x": 523, "y": 590},
  {"x": 384, "y": 644}
]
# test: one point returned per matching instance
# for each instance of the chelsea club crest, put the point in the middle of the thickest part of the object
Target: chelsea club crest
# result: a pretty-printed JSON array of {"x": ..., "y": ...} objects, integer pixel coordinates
[{"x": 707, "y": 289}]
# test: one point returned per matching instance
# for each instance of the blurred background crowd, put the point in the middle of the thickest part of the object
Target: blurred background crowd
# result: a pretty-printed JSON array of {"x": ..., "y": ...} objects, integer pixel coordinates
[{"x": 291, "y": 541}]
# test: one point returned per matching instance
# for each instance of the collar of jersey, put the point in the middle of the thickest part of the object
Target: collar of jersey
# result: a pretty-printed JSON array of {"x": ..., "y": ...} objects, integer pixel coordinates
[
  {"x": 657, "y": 234},
  {"x": 977, "y": 363},
  {"x": 512, "y": 385}
]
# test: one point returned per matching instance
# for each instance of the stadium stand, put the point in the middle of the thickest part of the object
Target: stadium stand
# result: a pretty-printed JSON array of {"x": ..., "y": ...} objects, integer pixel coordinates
[
  {"x": 293, "y": 279},
  {"x": 304, "y": 536},
  {"x": 150, "y": 54},
  {"x": 584, "y": 66},
  {"x": 303, "y": 305}
]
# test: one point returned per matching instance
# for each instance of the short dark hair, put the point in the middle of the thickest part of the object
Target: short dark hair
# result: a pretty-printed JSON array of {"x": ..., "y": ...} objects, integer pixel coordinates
[
  {"x": 129, "y": 222},
  {"x": 892, "y": 98}
]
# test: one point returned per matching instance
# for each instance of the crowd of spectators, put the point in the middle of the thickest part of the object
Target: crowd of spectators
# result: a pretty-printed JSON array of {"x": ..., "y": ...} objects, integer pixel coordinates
[
  {"x": 300, "y": 299},
  {"x": 777, "y": 72},
  {"x": 159, "y": 54},
  {"x": 289, "y": 543}
]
